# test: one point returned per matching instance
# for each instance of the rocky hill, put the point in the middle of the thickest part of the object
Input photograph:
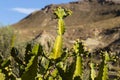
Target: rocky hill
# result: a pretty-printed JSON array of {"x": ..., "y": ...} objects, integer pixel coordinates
[{"x": 98, "y": 24}]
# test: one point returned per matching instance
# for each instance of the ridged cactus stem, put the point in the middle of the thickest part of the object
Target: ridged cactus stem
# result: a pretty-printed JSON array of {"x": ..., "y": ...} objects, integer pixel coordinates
[
  {"x": 57, "y": 49},
  {"x": 103, "y": 70}
]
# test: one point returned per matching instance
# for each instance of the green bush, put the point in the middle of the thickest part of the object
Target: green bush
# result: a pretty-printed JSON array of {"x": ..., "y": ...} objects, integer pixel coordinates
[{"x": 6, "y": 36}]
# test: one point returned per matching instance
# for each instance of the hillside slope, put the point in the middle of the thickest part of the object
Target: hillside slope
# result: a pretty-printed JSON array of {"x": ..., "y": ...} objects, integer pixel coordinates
[{"x": 98, "y": 25}]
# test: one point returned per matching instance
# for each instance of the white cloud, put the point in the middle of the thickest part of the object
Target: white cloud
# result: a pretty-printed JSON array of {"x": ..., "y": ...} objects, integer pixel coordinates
[{"x": 25, "y": 10}]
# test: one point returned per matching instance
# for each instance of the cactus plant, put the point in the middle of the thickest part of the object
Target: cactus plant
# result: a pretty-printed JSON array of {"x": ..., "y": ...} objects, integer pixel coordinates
[{"x": 62, "y": 64}]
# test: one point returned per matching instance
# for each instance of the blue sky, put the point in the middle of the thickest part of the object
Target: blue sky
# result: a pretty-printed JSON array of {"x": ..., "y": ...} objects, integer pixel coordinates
[{"x": 12, "y": 11}]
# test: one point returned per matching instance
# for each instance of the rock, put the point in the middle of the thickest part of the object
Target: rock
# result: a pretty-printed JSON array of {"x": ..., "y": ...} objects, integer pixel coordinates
[{"x": 46, "y": 40}]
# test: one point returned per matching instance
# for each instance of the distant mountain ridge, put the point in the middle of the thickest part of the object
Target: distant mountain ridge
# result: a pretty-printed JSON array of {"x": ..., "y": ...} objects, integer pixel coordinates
[
  {"x": 81, "y": 10},
  {"x": 90, "y": 22}
]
